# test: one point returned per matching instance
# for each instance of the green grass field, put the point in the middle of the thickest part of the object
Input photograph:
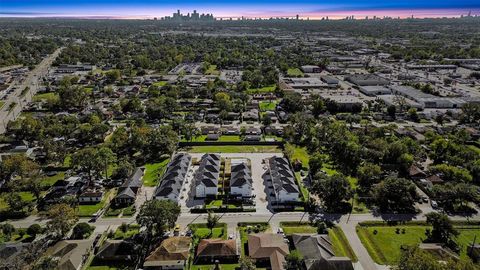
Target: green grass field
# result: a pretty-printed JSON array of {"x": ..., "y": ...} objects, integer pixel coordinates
[
  {"x": 263, "y": 90},
  {"x": 234, "y": 149},
  {"x": 132, "y": 230},
  {"x": 384, "y": 246},
  {"x": 299, "y": 228},
  {"x": 212, "y": 70},
  {"x": 201, "y": 231},
  {"x": 50, "y": 180},
  {"x": 340, "y": 244},
  {"x": 50, "y": 97},
  {"x": 153, "y": 172},
  {"x": 87, "y": 210},
  {"x": 294, "y": 72},
  {"x": 267, "y": 106},
  {"x": 301, "y": 154},
  {"x": 160, "y": 83}
]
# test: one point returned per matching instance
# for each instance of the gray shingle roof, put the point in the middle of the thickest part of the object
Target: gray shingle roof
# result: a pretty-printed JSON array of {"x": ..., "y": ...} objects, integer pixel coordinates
[
  {"x": 208, "y": 171},
  {"x": 240, "y": 175},
  {"x": 174, "y": 176},
  {"x": 282, "y": 175}
]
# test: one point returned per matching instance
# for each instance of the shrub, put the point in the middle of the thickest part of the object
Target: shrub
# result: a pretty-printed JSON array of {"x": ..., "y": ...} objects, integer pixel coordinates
[
  {"x": 82, "y": 230},
  {"x": 397, "y": 230},
  {"x": 34, "y": 229},
  {"x": 124, "y": 227},
  {"x": 375, "y": 232}
]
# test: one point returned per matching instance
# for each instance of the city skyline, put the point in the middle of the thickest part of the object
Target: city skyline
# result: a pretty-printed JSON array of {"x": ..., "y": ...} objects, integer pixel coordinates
[{"x": 146, "y": 9}]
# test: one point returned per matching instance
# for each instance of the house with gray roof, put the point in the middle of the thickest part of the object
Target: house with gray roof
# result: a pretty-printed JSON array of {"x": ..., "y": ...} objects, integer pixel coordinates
[
  {"x": 241, "y": 179},
  {"x": 127, "y": 193},
  {"x": 317, "y": 252},
  {"x": 174, "y": 177},
  {"x": 282, "y": 178},
  {"x": 206, "y": 177}
]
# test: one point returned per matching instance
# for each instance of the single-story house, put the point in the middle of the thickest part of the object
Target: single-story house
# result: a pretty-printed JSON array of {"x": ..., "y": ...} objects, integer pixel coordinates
[
  {"x": 210, "y": 250},
  {"x": 172, "y": 253},
  {"x": 268, "y": 247},
  {"x": 317, "y": 252},
  {"x": 127, "y": 193}
]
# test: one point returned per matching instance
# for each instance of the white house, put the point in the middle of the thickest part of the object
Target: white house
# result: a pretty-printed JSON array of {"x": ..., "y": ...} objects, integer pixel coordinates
[
  {"x": 206, "y": 177},
  {"x": 240, "y": 179}
]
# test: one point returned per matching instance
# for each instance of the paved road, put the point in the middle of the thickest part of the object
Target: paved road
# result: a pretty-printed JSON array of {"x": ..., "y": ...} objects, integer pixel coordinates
[
  {"x": 348, "y": 224},
  {"x": 31, "y": 81}
]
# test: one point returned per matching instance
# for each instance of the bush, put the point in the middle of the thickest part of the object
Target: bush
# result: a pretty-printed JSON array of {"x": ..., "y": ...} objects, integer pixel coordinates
[
  {"x": 397, "y": 230},
  {"x": 375, "y": 232},
  {"x": 34, "y": 229},
  {"x": 124, "y": 227}
]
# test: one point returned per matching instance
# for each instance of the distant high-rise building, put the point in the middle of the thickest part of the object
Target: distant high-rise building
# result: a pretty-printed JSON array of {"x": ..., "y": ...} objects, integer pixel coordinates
[{"x": 297, "y": 17}]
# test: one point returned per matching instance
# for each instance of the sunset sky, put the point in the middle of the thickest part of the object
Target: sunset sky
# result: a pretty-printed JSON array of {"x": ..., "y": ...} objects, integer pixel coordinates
[{"x": 237, "y": 8}]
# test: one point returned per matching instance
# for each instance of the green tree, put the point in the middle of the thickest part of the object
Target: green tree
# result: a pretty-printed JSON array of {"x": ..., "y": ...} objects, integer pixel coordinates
[
  {"x": 315, "y": 163},
  {"x": 82, "y": 230},
  {"x": 157, "y": 216},
  {"x": 294, "y": 261},
  {"x": 15, "y": 202},
  {"x": 395, "y": 194},
  {"x": 332, "y": 190},
  {"x": 212, "y": 221},
  {"x": 368, "y": 174},
  {"x": 106, "y": 156},
  {"x": 442, "y": 228},
  {"x": 34, "y": 229},
  {"x": 61, "y": 219}
]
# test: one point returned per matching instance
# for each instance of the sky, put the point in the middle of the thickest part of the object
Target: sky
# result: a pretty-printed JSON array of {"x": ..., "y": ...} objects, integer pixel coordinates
[{"x": 313, "y": 9}]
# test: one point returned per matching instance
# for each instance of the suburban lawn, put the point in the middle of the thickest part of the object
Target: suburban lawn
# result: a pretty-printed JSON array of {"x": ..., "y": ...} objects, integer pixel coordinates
[
  {"x": 384, "y": 247},
  {"x": 340, "y": 244},
  {"x": 201, "y": 231},
  {"x": 50, "y": 180},
  {"x": 300, "y": 153},
  {"x": 263, "y": 90},
  {"x": 267, "y": 105},
  {"x": 87, "y": 210},
  {"x": 132, "y": 230},
  {"x": 153, "y": 172},
  {"x": 234, "y": 149},
  {"x": 291, "y": 228},
  {"x": 50, "y": 97},
  {"x": 294, "y": 72}
]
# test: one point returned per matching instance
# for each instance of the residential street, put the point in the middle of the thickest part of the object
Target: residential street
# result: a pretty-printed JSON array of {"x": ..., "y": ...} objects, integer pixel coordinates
[
  {"x": 31, "y": 81},
  {"x": 346, "y": 222}
]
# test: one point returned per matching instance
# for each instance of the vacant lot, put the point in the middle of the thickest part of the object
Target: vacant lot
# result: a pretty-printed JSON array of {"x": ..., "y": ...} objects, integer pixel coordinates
[
  {"x": 384, "y": 242},
  {"x": 153, "y": 172}
]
